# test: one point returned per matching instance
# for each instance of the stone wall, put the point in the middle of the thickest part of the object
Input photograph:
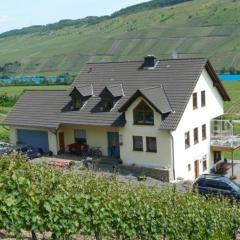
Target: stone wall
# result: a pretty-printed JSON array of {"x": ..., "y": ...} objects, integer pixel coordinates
[{"x": 156, "y": 173}]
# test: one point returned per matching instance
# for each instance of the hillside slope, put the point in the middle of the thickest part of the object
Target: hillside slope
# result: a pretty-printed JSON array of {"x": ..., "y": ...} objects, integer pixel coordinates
[{"x": 199, "y": 28}]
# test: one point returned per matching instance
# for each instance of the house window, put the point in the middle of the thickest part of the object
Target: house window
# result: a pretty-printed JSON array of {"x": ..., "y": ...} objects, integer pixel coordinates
[
  {"x": 195, "y": 133},
  {"x": 137, "y": 143},
  {"x": 203, "y": 98},
  {"x": 143, "y": 114},
  {"x": 151, "y": 144},
  {"x": 187, "y": 139},
  {"x": 77, "y": 103},
  {"x": 80, "y": 136},
  {"x": 189, "y": 167},
  {"x": 107, "y": 104},
  {"x": 195, "y": 103},
  {"x": 204, "y": 132},
  {"x": 204, "y": 165}
]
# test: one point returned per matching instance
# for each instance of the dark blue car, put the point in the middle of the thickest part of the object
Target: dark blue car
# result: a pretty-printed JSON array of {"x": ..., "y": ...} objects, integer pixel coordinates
[
  {"x": 27, "y": 151},
  {"x": 216, "y": 185}
]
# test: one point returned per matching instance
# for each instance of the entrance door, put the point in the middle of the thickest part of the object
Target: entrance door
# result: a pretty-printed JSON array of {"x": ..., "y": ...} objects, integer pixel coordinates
[
  {"x": 113, "y": 144},
  {"x": 196, "y": 168},
  {"x": 216, "y": 156},
  {"x": 61, "y": 142}
]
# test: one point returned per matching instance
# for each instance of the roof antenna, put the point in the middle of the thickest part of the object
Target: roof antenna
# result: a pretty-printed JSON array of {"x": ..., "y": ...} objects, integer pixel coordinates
[{"x": 174, "y": 54}]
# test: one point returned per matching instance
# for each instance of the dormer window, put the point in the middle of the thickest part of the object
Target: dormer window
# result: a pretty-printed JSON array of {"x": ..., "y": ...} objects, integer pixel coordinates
[
  {"x": 143, "y": 114},
  {"x": 109, "y": 97},
  {"x": 77, "y": 103},
  {"x": 80, "y": 96},
  {"x": 107, "y": 104}
]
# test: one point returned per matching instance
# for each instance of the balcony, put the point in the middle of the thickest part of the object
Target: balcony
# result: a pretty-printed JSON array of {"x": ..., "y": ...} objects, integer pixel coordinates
[{"x": 222, "y": 137}]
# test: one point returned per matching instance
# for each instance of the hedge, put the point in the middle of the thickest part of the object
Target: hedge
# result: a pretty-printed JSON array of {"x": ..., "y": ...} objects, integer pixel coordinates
[{"x": 41, "y": 199}]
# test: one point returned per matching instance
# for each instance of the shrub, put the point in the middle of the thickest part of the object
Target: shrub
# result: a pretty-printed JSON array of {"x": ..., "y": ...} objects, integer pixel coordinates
[
  {"x": 40, "y": 199},
  {"x": 232, "y": 70},
  {"x": 7, "y": 101}
]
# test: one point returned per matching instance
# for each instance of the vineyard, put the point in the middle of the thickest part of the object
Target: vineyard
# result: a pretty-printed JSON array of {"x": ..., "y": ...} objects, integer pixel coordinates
[
  {"x": 40, "y": 199},
  {"x": 233, "y": 107}
]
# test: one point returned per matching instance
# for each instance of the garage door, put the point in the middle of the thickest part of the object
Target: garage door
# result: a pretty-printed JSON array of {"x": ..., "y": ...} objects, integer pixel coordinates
[{"x": 36, "y": 139}]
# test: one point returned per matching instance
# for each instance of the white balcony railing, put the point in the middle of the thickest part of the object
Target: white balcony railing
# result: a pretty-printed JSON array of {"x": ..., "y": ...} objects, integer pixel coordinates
[{"x": 222, "y": 135}]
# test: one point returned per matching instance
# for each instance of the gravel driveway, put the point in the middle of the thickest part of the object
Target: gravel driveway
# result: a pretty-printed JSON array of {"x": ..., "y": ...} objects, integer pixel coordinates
[{"x": 123, "y": 175}]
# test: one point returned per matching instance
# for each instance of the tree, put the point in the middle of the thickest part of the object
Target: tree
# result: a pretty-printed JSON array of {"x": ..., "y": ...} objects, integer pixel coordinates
[
  {"x": 232, "y": 70},
  {"x": 223, "y": 70}
]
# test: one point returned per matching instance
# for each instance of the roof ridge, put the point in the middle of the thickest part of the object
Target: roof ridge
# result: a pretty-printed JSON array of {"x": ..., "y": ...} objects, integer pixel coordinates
[
  {"x": 156, "y": 86},
  {"x": 160, "y": 60}
]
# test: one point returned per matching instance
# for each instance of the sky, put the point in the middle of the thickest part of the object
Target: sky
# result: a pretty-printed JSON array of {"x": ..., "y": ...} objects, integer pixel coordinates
[{"x": 16, "y": 14}]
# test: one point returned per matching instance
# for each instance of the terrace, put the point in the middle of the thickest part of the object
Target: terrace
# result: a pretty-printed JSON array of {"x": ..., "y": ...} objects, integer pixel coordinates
[{"x": 223, "y": 138}]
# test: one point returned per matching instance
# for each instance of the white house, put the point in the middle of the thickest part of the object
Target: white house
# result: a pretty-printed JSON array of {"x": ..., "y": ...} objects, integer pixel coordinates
[{"x": 153, "y": 113}]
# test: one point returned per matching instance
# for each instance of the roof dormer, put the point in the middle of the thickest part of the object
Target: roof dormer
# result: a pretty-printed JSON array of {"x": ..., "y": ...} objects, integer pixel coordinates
[
  {"x": 109, "y": 96},
  {"x": 80, "y": 95}
]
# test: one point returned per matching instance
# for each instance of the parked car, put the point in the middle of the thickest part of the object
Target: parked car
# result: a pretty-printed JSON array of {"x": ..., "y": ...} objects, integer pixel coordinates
[
  {"x": 5, "y": 148},
  {"x": 216, "y": 185},
  {"x": 26, "y": 150}
]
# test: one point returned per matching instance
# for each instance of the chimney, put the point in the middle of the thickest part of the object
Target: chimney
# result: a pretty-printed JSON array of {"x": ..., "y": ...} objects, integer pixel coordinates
[{"x": 149, "y": 61}]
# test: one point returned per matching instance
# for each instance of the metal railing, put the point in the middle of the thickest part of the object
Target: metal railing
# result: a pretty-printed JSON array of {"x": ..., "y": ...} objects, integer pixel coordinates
[{"x": 222, "y": 134}]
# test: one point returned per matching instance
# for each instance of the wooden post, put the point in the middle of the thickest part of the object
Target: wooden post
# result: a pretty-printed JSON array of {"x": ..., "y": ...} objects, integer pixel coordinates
[{"x": 232, "y": 164}]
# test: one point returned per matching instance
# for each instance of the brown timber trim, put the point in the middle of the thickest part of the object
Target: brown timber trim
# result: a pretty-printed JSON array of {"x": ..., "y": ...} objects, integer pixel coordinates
[{"x": 216, "y": 82}]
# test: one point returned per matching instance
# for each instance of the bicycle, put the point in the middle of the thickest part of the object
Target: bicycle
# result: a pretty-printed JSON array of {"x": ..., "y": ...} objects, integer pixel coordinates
[{"x": 95, "y": 152}]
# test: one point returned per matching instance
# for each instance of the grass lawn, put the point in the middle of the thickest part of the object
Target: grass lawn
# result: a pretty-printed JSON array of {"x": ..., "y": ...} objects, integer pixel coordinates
[
  {"x": 5, "y": 110},
  {"x": 233, "y": 107}
]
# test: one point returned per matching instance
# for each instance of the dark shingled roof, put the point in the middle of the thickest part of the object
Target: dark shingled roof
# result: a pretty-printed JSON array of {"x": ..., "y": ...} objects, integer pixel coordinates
[
  {"x": 174, "y": 82},
  {"x": 154, "y": 95},
  {"x": 85, "y": 91},
  {"x": 116, "y": 90}
]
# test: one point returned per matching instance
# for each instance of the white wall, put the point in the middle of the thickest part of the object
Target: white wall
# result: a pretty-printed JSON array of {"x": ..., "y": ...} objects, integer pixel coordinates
[
  {"x": 161, "y": 159},
  {"x": 52, "y": 140},
  {"x": 192, "y": 119}
]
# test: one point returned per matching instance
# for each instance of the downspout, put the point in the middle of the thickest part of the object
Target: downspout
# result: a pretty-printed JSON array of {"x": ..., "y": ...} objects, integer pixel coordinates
[{"x": 173, "y": 157}]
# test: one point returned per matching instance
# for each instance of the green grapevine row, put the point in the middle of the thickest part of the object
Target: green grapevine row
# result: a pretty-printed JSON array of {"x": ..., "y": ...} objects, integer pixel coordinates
[{"x": 41, "y": 199}]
